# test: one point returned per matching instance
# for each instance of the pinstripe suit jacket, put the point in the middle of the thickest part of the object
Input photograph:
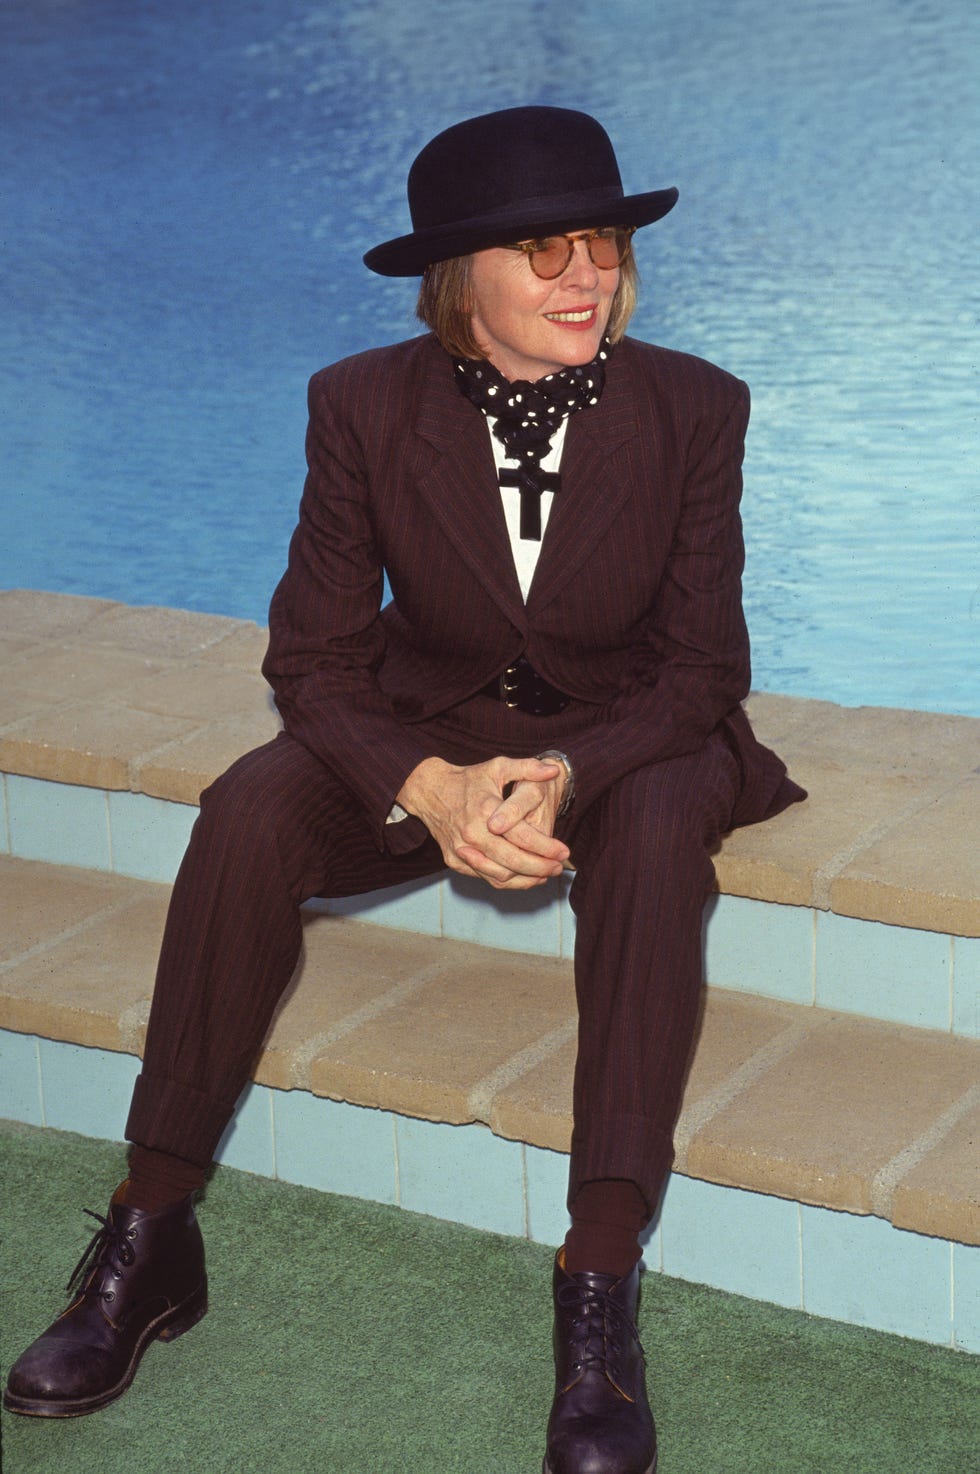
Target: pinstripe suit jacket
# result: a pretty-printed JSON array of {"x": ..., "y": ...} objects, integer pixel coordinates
[{"x": 635, "y": 604}]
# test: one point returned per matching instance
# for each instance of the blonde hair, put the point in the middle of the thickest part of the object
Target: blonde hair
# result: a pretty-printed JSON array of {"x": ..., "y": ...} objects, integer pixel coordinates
[{"x": 444, "y": 304}]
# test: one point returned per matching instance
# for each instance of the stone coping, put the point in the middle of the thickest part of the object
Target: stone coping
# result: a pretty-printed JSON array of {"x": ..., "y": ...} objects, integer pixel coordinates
[
  {"x": 783, "y": 1099},
  {"x": 159, "y": 701}
]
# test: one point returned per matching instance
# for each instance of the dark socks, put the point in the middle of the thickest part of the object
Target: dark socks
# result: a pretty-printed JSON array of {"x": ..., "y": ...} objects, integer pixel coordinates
[
  {"x": 608, "y": 1216},
  {"x": 157, "y": 1180}
]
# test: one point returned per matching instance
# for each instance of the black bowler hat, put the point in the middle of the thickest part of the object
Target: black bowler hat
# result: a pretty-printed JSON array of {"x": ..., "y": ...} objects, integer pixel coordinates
[{"x": 499, "y": 178}]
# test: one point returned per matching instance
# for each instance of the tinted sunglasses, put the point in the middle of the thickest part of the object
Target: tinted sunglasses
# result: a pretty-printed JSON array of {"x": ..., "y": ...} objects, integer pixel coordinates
[{"x": 549, "y": 255}]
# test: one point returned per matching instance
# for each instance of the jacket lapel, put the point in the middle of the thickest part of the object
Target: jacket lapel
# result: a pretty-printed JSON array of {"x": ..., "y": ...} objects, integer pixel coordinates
[
  {"x": 458, "y": 481},
  {"x": 594, "y": 485}
]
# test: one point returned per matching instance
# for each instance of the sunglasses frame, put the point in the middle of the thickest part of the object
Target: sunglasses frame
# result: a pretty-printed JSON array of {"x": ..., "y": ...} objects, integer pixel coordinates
[{"x": 532, "y": 248}]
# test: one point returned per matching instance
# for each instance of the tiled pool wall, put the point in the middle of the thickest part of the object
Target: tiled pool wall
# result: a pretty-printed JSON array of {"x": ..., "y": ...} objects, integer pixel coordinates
[{"x": 856, "y": 1269}]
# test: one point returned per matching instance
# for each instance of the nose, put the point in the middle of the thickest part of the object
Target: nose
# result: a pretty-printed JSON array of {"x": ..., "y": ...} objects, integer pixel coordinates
[{"x": 581, "y": 271}]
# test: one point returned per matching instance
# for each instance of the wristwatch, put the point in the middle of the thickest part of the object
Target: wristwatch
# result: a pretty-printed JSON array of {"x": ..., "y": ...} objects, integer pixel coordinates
[{"x": 552, "y": 755}]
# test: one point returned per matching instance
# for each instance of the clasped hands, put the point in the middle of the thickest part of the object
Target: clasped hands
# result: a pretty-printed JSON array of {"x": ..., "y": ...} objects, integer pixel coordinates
[{"x": 494, "y": 820}]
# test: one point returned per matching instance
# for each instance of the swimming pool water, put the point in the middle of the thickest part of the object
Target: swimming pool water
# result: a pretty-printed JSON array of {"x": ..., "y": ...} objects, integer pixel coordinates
[{"x": 188, "y": 190}]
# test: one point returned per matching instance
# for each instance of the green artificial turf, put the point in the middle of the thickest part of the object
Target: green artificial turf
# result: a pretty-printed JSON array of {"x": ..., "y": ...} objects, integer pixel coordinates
[{"x": 348, "y": 1338}]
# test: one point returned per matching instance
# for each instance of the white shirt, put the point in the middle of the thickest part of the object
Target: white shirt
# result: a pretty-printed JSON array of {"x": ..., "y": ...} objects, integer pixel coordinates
[{"x": 526, "y": 550}]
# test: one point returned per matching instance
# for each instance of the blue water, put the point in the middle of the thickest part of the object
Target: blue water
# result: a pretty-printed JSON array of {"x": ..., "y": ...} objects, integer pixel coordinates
[{"x": 187, "y": 189}]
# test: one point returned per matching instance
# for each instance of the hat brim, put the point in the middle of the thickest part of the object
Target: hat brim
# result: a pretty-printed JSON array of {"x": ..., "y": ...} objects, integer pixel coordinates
[{"x": 409, "y": 255}]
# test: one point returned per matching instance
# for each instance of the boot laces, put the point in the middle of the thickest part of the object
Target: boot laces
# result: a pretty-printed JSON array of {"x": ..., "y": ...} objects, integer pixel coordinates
[
  {"x": 602, "y": 1328},
  {"x": 110, "y": 1247}
]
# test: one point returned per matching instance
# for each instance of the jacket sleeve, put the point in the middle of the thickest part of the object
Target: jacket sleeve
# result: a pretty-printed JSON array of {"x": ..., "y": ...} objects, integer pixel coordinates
[
  {"x": 326, "y": 638},
  {"x": 692, "y": 668}
]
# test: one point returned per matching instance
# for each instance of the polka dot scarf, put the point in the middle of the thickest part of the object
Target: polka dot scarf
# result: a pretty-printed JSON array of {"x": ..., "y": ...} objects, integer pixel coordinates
[{"x": 527, "y": 416}]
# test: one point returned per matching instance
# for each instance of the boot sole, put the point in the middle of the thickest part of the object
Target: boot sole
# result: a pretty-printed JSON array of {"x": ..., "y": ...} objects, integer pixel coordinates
[
  {"x": 546, "y": 1467},
  {"x": 166, "y": 1327}
]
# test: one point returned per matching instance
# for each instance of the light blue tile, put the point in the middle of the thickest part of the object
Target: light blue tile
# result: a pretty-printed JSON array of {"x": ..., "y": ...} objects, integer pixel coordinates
[
  {"x": 743, "y": 1242},
  {"x": 652, "y": 1244},
  {"x": 567, "y": 921},
  {"x": 520, "y": 921},
  {"x": 966, "y": 986},
  {"x": 86, "y": 1090},
  {"x": 58, "y": 822},
  {"x": 414, "y": 906},
  {"x": 756, "y": 947},
  {"x": 247, "y": 1143},
  {"x": 896, "y": 973},
  {"x": 461, "y": 1173},
  {"x": 546, "y": 1176},
  {"x": 333, "y": 1146},
  {"x": 864, "y": 1271},
  {"x": 20, "y": 1078},
  {"x": 4, "y": 821},
  {"x": 966, "y": 1297},
  {"x": 149, "y": 835}
]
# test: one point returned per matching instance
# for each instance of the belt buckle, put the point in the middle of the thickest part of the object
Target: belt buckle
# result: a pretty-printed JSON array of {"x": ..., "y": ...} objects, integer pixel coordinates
[{"x": 509, "y": 686}]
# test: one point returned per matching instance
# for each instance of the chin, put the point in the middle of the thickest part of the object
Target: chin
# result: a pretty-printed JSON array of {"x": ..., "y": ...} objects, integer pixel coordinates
[{"x": 582, "y": 352}]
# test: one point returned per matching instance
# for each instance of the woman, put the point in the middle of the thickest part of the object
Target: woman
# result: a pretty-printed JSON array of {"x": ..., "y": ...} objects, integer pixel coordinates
[{"x": 557, "y": 678}]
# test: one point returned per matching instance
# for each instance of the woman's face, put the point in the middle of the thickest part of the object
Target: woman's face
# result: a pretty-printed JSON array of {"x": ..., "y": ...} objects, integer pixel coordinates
[{"x": 528, "y": 327}]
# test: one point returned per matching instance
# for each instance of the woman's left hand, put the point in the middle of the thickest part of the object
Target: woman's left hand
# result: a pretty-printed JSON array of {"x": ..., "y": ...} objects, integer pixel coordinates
[{"x": 530, "y": 805}]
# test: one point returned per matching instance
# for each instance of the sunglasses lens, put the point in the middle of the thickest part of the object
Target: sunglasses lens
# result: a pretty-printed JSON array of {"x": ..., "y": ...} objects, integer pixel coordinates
[
  {"x": 609, "y": 247},
  {"x": 551, "y": 255}
]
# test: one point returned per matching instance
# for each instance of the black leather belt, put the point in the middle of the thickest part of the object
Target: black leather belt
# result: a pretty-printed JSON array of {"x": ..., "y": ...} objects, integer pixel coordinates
[{"x": 521, "y": 686}]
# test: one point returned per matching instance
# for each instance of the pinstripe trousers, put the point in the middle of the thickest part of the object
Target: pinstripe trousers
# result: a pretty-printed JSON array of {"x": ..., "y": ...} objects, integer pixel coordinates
[{"x": 279, "y": 828}]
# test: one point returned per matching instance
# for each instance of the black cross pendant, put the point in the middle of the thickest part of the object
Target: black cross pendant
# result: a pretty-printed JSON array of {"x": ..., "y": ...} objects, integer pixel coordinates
[{"x": 530, "y": 488}]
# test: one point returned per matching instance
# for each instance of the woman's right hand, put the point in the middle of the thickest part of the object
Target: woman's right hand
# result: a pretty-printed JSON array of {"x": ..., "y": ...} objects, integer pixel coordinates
[{"x": 455, "y": 803}]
